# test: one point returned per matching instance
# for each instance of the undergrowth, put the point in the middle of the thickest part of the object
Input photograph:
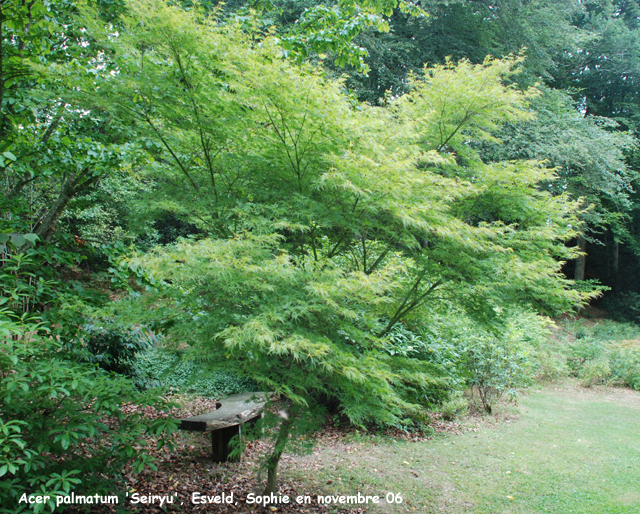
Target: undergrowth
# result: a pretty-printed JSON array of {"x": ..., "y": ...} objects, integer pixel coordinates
[
  {"x": 162, "y": 367},
  {"x": 606, "y": 353}
]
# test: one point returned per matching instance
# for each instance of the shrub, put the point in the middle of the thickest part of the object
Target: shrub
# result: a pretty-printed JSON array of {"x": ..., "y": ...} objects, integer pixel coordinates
[
  {"x": 585, "y": 350},
  {"x": 614, "y": 331},
  {"x": 606, "y": 353},
  {"x": 456, "y": 405},
  {"x": 61, "y": 422},
  {"x": 535, "y": 331},
  {"x": 497, "y": 367},
  {"x": 491, "y": 364},
  {"x": 435, "y": 348},
  {"x": 595, "y": 372},
  {"x": 549, "y": 366},
  {"x": 625, "y": 367},
  {"x": 161, "y": 367},
  {"x": 114, "y": 347},
  {"x": 531, "y": 328}
]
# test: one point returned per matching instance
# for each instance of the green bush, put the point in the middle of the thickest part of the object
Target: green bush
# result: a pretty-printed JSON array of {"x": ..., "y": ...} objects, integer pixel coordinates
[
  {"x": 161, "y": 367},
  {"x": 497, "y": 366},
  {"x": 457, "y": 405},
  {"x": 437, "y": 349},
  {"x": 585, "y": 350},
  {"x": 62, "y": 426},
  {"x": 625, "y": 367},
  {"x": 549, "y": 366},
  {"x": 531, "y": 328},
  {"x": 613, "y": 331},
  {"x": 114, "y": 347},
  {"x": 548, "y": 363},
  {"x": 595, "y": 372},
  {"x": 492, "y": 364},
  {"x": 606, "y": 353}
]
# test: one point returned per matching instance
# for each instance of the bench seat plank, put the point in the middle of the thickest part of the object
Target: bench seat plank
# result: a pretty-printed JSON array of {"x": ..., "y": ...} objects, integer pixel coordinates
[{"x": 234, "y": 410}]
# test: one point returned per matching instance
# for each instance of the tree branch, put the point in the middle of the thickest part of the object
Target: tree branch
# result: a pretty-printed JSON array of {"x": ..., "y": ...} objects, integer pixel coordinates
[{"x": 406, "y": 307}]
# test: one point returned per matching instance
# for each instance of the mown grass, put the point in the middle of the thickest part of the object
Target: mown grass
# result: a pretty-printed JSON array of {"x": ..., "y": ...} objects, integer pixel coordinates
[{"x": 571, "y": 450}]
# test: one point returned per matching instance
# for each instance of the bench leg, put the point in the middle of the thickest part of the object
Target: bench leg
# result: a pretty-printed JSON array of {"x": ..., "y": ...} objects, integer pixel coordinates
[{"x": 220, "y": 443}]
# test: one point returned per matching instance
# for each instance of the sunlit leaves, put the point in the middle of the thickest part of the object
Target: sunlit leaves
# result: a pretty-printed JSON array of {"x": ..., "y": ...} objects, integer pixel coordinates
[{"x": 324, "y": 222}]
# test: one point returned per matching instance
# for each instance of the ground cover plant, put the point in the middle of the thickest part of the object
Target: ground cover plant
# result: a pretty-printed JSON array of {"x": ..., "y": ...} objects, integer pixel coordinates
[{"x": 173, "y": 371}]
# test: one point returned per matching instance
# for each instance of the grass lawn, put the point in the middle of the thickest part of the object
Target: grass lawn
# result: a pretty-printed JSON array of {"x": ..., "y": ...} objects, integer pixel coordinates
[{"x": 570, "y": 450}]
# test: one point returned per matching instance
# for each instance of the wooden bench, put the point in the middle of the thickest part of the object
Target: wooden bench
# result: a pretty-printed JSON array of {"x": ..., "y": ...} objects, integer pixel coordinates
[{"x": 227, "y": 421}]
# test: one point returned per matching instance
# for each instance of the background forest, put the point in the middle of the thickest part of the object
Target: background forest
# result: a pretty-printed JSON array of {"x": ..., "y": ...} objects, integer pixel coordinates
[{"x": 365, "y": 207}]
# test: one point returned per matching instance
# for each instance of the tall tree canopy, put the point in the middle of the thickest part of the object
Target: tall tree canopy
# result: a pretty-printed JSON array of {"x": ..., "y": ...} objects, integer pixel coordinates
[{"x": 326, "y": 222}]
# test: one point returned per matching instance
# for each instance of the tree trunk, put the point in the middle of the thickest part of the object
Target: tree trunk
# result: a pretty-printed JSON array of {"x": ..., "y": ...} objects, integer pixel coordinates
[
  {"x": 1, "y": 69},
  {"x": 278, "y": 449},
  {"x": 616, "y": 265},
  {"x": 54, "y": 212},
  {"x": 582, "y": 260},
  {"x": 70, "y": 188}
]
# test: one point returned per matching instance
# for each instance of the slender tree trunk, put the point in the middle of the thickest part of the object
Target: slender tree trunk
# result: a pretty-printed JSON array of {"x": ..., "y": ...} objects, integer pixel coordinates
[
  {"x": 582, "y": 260},
  {"x": 1, "y": 69},
  {"x": 54, "y": 212},
  {"x": 70, "y": 188},
  {"x": 616, "y": 264},
  {"x": 278, "y": 449},
  {"x": 608, "y": 250},
  {"x": 30, "y": 176}
]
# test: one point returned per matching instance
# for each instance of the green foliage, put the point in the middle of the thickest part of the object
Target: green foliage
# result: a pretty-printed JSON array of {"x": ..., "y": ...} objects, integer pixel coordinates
[
  {"x": 456, "y": 406},
  {"x": 550, "y": 365},
  {"x": 588, "y": 154},
  {"x": 585, "y": 54},
  {"x": 547, "y": 358},
  {"x": 114, "y": 347},
  {"x": 160, "y": 367},
  {"x": 31, "y": 285},
  {"x": 596, "y": 371},
  {"x": 108, "y": 213},
  {"x": 497, "y": 367},
  {"x": 305, "y": 243},
  {"x": 62, "y": 424},
  {"x": 22, "y": 290},
  {"x": 327, "y": 234},
  {"x": 624, "y": 364},
  {"x": 606, "y": 353},
  {"x": 329, "y": 27},
  {"x": 274, "y": 319},
  {"x": 339, "y": 180},
  {"x": 324, "y": 223},
  {"x": 584, "y": 350},
  {"x": 55, "y": 146},
  {"x": 493, "y": 363},
  {"x": 430, "y": 341}
]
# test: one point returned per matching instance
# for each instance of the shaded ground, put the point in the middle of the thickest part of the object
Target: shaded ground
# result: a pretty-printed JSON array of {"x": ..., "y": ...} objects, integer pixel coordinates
[{"x": 567, "y": 450}]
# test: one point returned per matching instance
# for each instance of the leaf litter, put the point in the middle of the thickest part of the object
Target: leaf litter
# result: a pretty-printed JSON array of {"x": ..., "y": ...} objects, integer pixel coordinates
[{"x": 188, "y": 469}]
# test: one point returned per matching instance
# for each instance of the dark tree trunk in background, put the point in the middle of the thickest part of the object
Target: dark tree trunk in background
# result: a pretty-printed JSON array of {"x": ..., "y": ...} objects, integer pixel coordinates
[
  {"x": 615, "y": 266},
  {"x": 582, "y": 260}
]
